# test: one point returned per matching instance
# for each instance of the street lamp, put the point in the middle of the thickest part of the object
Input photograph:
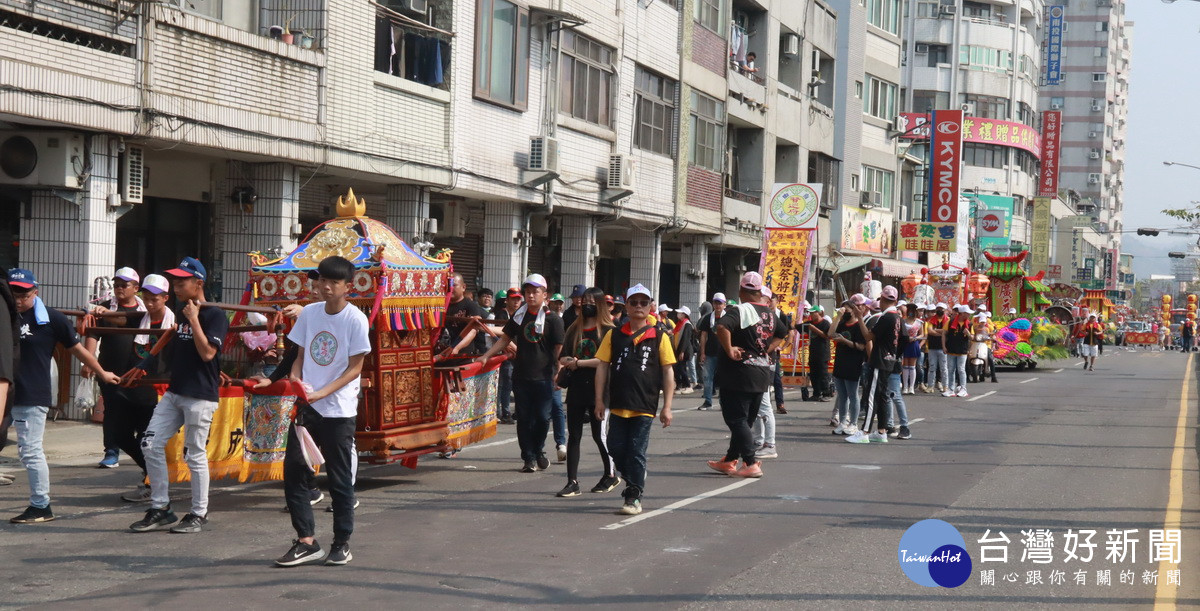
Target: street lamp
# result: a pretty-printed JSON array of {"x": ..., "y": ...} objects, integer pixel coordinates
[{"x": 1186, "y": 165}]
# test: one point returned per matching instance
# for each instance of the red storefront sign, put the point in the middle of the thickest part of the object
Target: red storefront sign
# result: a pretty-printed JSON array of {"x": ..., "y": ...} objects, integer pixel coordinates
[
  {"x": 1051, "y": 138},
  {"x": 945, "y": 168}
]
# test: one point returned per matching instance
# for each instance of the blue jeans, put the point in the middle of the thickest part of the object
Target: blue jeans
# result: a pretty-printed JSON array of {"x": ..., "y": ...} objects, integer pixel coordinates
[
  {"x": 921, "y": 368},
  {"x": 691, "y": 368},
  {"x": 534, "y": 400},
  {"x": 504, "y": 389},
  {"x": 937, "y": 368},
  {"x": 628, "y": 439},
  {"x": 764, "y": 426},
  {"x": 710, "y": 374},
  {"x": 560, "y": 418},
  {"x": 895, "y": 400},
  {"x": 847, "y": 400},
  {"x": 30, "y": 422}
]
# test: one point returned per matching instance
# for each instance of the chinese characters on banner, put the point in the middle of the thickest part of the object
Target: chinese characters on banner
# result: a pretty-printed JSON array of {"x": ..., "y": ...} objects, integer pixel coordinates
[
  {"x": 1051, "y": 137},
  {"x": 945, "y": 165},
  {"x": 977, "y": 130},
  {"x": 1041, "y": 236},
  {"x": 928, "y": 237},
  {"x": 1007, "y": 294},
  {"x": 784, "y": 266},
  {"x": 1087, "y": 556},
  {"x": 1054, "y": 27}
]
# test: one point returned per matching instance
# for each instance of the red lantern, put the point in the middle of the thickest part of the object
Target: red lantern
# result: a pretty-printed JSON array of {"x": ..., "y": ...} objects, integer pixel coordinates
[
  {"x": 978, "y": 284},
  {"x": 924, "y": 270},
  {"x": 909, "y": 284},
  {"x": 945, "y": 266}
]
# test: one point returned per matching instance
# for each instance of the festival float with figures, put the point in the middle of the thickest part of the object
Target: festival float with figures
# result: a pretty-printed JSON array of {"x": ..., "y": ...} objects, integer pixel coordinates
[{"x": 410, "y": 406}]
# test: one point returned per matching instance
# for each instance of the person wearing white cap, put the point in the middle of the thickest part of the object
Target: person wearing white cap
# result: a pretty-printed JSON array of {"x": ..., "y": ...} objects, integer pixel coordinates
[
  {"x": 938, "y": 379},
  {"x": 710, "y": 348},
  {"x": 748, "y": 334},
  {"x": 957, "y": 332},
  {"x": 681, "y": 339},
  {"x": 117, "y": 354},
  {"x": 538, "y": 335},
  {"x": 636, "y": 363}
]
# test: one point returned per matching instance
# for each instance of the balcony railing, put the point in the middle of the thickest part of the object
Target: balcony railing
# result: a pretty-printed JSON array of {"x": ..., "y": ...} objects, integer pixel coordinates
[{"x": 741, "y": 196}]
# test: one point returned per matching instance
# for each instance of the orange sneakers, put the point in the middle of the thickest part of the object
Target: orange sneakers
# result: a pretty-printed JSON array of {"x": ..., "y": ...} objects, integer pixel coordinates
[
  {"x": 754, "y": 470},
  {"x": 720, "y": 466}
]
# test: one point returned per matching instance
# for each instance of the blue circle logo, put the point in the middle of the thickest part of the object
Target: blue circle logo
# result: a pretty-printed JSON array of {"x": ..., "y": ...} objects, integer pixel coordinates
[{"x": 932, "y": 553}]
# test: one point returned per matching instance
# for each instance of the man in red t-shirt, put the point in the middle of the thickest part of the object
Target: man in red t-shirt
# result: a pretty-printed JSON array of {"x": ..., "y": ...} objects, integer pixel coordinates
[{"x": 1090, "y": 335}]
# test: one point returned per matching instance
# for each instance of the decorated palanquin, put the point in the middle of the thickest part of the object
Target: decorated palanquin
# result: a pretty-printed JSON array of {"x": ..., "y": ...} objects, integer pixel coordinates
[
  {"x": 406, "y": 408},
  {"x": 1011, "y": 288}
]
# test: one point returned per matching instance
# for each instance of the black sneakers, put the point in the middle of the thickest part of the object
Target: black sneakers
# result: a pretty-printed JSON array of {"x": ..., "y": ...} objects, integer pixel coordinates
[
  {"x": 607, "y": 483},
  {"x": 191, "y": 523},
  {"x": 33, "y": 515},
  {"x": 529, "y": 467},
  {"x": 543, "y": 463},
  {"x": 571, "y": 489},
  {"x": 904, "y": 433},
  {"x": 339, "y": 554},
  {"x": 329, "y": 509},
  {"x": 302, "y": 553},
  {"x": 154, "y": 520}
]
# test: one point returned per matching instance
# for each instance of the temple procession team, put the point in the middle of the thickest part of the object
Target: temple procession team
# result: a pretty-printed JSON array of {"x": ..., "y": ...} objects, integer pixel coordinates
[{"x": 621, "y": 362}]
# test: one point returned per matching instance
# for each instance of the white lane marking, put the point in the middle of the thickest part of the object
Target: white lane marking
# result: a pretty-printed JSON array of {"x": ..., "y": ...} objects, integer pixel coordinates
[
  {"x": 916, "y": 420},
  {"x": 1059, "y": 370},
  {"x": 677, "y": 505},
  {"x": 1079, "y": 363},
  {"x": 488, "y": 445},
  {"x": 863, "y": 467},
  {"x": 978, "y": 397},
  {"x": 1026, "y": 381}
]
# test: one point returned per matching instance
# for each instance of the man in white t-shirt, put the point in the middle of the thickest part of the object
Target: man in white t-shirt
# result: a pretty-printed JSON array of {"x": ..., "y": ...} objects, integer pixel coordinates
[{"x": 334, "y": 342}]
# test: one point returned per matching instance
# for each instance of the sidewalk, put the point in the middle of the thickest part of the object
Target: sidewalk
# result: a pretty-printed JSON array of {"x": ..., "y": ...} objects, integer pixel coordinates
[{"x": 67, "y": 444}]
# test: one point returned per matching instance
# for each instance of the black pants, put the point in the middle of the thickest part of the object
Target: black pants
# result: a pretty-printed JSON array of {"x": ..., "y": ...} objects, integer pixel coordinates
[
  {"x": 682, "y": 379},
  {"x": 335, "y": 437},
  {"x": 740, "y": 409},
  {"x": 581, "y": 407},
  {"x": 875, "y": 397},
  {"x": 818, "y": 376},
  {"x": 125, "y": 422},
  {"x": 534, "y": 400}
]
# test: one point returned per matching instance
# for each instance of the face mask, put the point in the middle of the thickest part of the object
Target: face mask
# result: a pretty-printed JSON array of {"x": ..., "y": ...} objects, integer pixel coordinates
[{"x": 590, "y": 311}]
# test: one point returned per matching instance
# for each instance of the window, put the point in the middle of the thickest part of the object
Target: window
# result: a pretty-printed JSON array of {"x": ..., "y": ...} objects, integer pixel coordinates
[
  {"x": 654, "y": 110},
  {"x": 1057, "y": 102},
  {"x": 928, "y": 8},
  {"x": 879, "y": 181},
  {"x": 586, "y": 78},
  {"x": 825, "y": 170},
  {"x": 885, "y": 15},
  {"x": 708, "y": 13},
  {"x": 1101, "y": 26},
  {"x": 977, "y": 9},
  {"x": 988, "y": 107},
  {"x": 881, "y": 99},
  {"x": 1027, "y": 162},
  {"x": 1099, "y": 77},
  {"x": 502, "y": 53},
  {"x": 1025, "y": 113},
  {"x": 858, "y": 89},
  {"x": 985, "y": 58},
  {"x": 985, "y": 155},
  {"x": 708, "y": 119},
  {"x": 926, "y": 100},
  {"x": 938, "y": 54}
]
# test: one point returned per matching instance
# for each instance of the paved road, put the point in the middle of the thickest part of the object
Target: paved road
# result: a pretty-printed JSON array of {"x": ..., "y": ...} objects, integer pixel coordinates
[{"x": 1049, "y": 449}]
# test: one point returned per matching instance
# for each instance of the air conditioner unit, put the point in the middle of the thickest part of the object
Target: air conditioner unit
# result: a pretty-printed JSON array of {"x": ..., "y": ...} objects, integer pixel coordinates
[
  {"x": 947, "y": 9},
  {"x": 1097, "y": 105},
  {"x": 1094, "y": 155},
  {"x": 454, "y": 220},
  {"x": 870, "y": 199},
  {"x": 41, "y": 159},
  {"x": 543, "y": 155},
  {"x": 133, "y": 175},
  {"x": 969, "y": 108},
  {"x": 415, "y": 6},
  {"x": 791, "y": 45},
  {"x": 620, "y": 172},
  {"x": 1093, "y": 179},
  {"x": 922, "y": 48},
  {"x": 1055, "y": 106},
  {"x": 1093, "y": 134}
]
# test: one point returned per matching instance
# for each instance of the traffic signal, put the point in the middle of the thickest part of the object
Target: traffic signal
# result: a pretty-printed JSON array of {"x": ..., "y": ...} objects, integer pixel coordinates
[
  {"x": 1147, "y": 231},
  {"x": 1175, "y": 254}
]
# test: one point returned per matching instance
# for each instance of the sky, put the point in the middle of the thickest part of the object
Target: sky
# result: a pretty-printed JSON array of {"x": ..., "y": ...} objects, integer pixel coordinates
[{"x": 1164, "y": 90}]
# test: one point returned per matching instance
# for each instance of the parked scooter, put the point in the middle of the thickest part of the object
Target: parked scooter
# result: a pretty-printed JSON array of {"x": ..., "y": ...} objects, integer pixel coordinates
[{"x": 977, "y": 360}]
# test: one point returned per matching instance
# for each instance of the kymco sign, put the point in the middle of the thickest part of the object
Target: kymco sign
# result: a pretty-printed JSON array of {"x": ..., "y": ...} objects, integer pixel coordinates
[{"x": 945, "y": 165}]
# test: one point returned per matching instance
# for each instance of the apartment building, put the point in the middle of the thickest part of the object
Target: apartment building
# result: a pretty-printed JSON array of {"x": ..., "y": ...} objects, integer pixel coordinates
[
  {"x": 1092, "y": 92},
  {"x": 983, "y": 57}
]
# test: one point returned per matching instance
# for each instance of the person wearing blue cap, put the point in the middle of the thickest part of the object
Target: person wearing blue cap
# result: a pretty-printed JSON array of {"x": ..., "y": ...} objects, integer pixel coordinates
[
  {"x": 576, "y": 308},
  {"x": 189, "y": 403},
  {"x": 41, "y": 329}
]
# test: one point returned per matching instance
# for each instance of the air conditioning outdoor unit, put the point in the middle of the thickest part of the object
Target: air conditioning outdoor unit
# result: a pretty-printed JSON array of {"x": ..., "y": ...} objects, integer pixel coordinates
[
  {"x": 41, "y": 159},
  {"x": 543, "y": 154},
  {"x": 791, "y": 45},
  {"x": 416, "y": 6},
  {"x": 1094, "y": 155},
  {"x": 948, "y": 9},
  {"x": 922, "y": 48},
  {"x": 1093, "y": 179},
  {"x": 620, "y": 173},
  {"x": 1093, "y": 134},
  {"x": 1055, "y": 106},
  {"x": 969, "y": 108},
  {"x": 1097, "y": 105},
  {"x": 133, "y": 175}
]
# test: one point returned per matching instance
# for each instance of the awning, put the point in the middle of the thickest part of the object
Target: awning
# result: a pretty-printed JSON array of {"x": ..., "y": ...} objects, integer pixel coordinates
[
  {"x": 843, "y": 264},
  {"x": 892, "y": 268},
  {"x": 547, "y": 15}
]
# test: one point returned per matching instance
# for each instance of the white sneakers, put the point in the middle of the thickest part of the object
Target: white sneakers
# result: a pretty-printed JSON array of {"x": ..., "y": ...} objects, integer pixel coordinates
[
  {"x": 858, "y": 437},
  {"x": 962, "y": 392},
  {"x": 877, "y": 437},
  {"x": 766, "y": 452},
  {"x": 948, "y": 393}
]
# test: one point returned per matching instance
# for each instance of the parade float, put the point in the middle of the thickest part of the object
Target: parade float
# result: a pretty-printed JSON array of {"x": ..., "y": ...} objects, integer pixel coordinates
[
  {"x": 1030, "y": 336},
  {"x": 410, "y": 406}
]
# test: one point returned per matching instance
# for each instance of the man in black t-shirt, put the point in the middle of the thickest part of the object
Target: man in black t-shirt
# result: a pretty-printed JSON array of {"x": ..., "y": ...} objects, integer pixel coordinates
[
  {"x": 190, "y": 401},
  {"x": 710, "y": 348},
  {"x": 538, "y": 335},
  {"x": 748, "y": 334},
  {"x": 818, "y": 351},
  {"x": 41, "y": 329},
  {"x": 458, "y": 313}
]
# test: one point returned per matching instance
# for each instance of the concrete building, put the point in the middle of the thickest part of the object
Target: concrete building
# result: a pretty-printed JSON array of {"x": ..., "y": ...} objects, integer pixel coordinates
[
  {"x": 983, "y": 57},
  {"x": 1093, "y": 97}
]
